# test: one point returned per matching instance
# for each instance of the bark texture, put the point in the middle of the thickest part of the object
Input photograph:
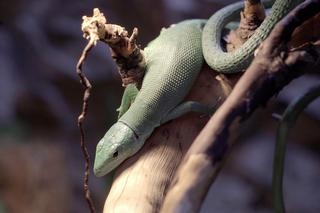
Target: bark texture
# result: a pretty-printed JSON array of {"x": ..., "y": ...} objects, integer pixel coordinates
[
  {"x": 274, "y": 67},
  {"x": 143, "y": 181}
]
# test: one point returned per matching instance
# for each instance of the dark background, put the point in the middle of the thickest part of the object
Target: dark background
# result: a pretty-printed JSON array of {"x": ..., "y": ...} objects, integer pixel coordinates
[{"x": 41, "y": 165}]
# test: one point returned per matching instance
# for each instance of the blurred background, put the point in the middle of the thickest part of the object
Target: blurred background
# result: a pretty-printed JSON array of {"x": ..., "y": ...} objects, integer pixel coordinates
[{"x": 41, "y": 165}]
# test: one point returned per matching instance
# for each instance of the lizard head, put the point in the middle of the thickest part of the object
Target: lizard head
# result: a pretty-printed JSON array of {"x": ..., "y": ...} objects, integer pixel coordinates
[{"x": 119, "y": 143}]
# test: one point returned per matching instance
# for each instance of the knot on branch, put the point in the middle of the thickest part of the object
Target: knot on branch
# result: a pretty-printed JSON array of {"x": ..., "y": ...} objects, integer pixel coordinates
[
  {"x": 132, "y": 68},
  {"x": 125, "y": 51},
  {"x": 250, "y": 19},
  {"x": 93, "y": 27}
]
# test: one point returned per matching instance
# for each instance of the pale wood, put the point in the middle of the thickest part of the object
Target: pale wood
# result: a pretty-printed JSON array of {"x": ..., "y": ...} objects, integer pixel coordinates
[
  {"x": 141, "y": 182},
  {"x": 274, "y": 67}
]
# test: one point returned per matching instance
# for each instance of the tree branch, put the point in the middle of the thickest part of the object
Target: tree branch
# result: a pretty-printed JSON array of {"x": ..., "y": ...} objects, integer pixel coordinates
[
  {"x": 273, "y": 68},
  {"x": 250, "y": 19},
  {"x": 126, "y": 53}
]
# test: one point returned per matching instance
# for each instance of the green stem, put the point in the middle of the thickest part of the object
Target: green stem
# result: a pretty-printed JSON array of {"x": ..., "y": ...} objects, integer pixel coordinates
[{"x": 287, "y": 122}]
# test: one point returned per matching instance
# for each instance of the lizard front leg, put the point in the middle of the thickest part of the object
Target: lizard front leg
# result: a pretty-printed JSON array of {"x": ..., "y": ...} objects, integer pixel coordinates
[{"x": 129, "y": 95}]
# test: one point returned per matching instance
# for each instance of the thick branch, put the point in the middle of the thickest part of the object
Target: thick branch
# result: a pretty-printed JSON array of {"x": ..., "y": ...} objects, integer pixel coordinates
[
  {"x": 273, "y": 68},
  {"x": 141, "y": 181}
]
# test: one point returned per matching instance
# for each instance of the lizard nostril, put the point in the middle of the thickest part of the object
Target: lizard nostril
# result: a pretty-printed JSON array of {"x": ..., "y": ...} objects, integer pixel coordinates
[{"x": 115, "y": 154}]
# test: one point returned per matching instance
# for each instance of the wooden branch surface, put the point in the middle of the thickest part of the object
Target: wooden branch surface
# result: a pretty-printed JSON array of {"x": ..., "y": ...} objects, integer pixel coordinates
[
  {"x": 273, "y": 68},
  {"x": 142, "y": 181}
]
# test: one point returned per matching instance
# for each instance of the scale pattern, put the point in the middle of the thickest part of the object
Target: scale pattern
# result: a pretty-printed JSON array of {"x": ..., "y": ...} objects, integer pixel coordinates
[
  {"x": 174, "y": 60},
  {"x": 239, "y": 59},
  {"x": 128, "y": 97}
]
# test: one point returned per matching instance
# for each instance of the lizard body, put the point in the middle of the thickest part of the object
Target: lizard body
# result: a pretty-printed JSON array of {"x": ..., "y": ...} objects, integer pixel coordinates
[
  {"x": 174, "y": 60},
  {"x": 128, "y": 97},
  {"x": 239, "y": 59}
]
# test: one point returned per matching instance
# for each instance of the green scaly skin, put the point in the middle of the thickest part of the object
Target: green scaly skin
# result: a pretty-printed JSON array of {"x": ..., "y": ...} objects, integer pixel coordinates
[
  {"x": 238, "y": 60},
  {"x": 167, "y": 81},
  {"x": 174, "y": 60},
  {"x": 129, "y": 95}
]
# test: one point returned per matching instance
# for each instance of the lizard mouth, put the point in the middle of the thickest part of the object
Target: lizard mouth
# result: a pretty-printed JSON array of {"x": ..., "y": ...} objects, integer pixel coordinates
[
  {"x": 102, "y": 168},
  {"x": 119, "y": 143}
]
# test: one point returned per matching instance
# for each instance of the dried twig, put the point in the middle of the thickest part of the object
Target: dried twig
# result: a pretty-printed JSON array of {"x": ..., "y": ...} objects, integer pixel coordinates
[
  {"x": 87, "y": 86},
  {"x": 126, "y": 53},
  {"x": 95, "y": 29}
]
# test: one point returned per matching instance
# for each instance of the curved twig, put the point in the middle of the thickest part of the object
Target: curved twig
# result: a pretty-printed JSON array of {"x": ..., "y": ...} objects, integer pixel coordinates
[
  {"x": 87, "y": 86},
  {"x": 288, "y": 120}
]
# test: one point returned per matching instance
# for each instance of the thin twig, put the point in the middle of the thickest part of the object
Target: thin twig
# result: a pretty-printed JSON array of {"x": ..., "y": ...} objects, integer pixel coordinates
[
  {"x": 87, "y": 86},
  {"x": 288, "y": 120}
]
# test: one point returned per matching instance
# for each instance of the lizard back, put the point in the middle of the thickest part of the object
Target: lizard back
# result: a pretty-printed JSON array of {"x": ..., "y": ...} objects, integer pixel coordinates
[{"x": 174, "y": 60}]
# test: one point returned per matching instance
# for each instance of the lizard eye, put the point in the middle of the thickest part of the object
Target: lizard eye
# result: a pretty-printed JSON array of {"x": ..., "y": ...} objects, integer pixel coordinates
[{"x": 115, "y": 154}]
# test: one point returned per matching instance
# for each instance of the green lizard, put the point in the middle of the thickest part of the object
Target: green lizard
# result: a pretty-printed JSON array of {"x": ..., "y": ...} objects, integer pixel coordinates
[
  {"x": 238, "y": 60},
  {"x": 174, "y": 60},
  {"x": 167, "y": 81},
  {"x": 129, "y": 95}
]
